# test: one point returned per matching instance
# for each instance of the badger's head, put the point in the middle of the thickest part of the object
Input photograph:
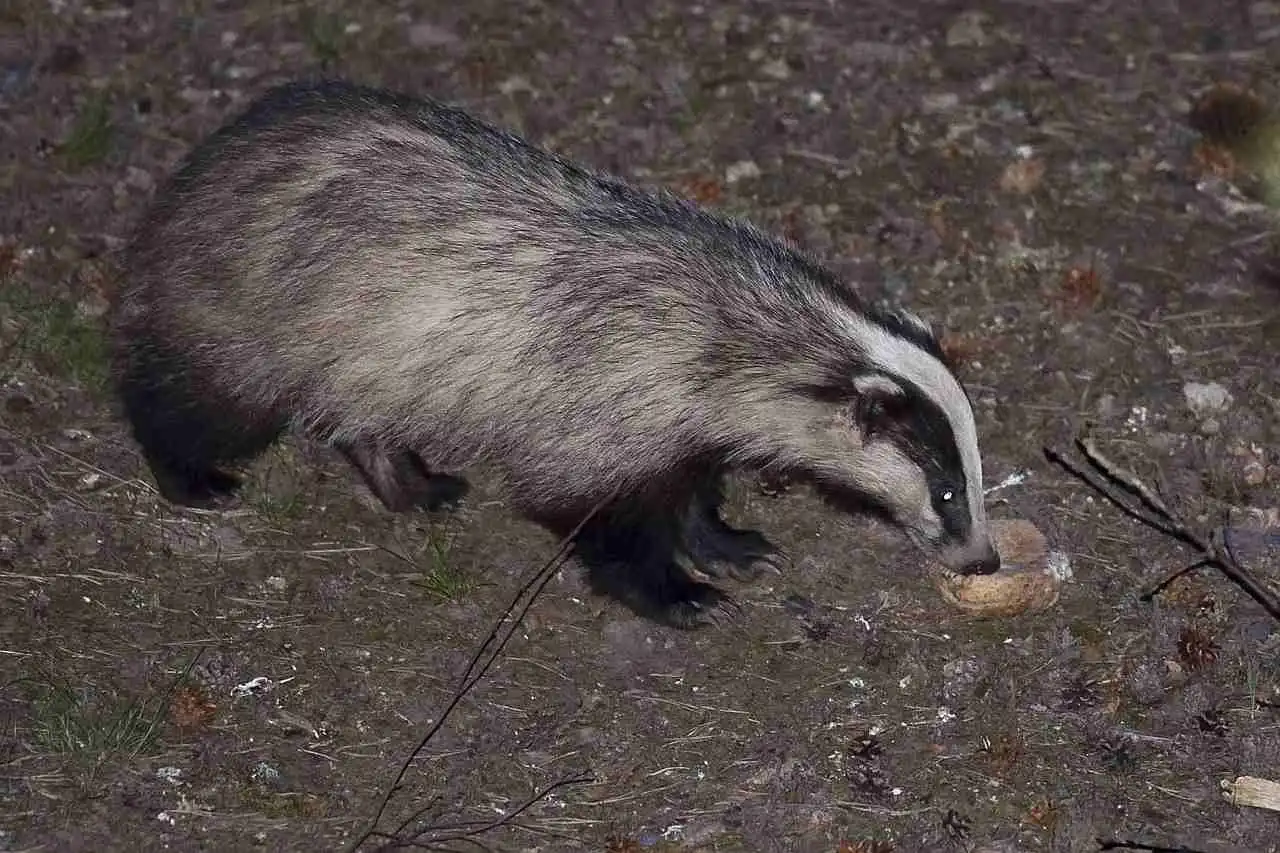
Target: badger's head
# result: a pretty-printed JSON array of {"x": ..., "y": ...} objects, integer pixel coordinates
[{"x": 899, "y": 438}]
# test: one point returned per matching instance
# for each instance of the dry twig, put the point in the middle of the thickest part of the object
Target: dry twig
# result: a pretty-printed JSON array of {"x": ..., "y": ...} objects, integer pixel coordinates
[
  {"x": 531, "y": 588},
  {"x": 1150, "y": 510}
]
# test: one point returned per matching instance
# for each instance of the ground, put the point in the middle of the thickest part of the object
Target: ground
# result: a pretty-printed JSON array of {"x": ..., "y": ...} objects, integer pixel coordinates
[{"x": 1024, "y": 177}]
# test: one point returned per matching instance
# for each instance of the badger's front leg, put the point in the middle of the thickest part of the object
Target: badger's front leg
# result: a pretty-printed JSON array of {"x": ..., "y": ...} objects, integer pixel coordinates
[
  {"x": 632, "y": 553},
  {"x": 719, "y": 549}
]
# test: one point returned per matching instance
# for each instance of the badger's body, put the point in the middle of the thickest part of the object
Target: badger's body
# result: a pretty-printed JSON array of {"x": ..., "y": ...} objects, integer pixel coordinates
[{"x": 425, "y": 292}]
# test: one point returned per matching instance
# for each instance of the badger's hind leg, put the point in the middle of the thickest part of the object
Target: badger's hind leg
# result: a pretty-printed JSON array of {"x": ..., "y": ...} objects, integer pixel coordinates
[
  {"x": 718, "y": 549},
  {"x": 400, "y": 479},
  {"x": 186, "y": 431}
]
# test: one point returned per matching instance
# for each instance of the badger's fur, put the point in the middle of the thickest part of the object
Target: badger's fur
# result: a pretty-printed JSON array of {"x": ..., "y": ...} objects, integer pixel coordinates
[{"x": 424, "y": 291}]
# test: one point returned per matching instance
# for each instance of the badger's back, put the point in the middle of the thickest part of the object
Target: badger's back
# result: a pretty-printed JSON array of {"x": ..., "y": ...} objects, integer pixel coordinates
[{"x": 384, "y": 267}]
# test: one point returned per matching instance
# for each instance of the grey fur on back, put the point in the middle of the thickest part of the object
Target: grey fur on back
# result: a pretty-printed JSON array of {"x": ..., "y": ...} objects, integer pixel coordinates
[{"x": 394, "y": 270}]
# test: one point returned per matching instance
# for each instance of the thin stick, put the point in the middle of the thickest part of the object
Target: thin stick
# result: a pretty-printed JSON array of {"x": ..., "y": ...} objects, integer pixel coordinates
[
  {"x": 1164, "y": 582},
  {"x": 1213, "y": 551},
  {"x": 1114, "y": 844},
  {"x": 538, "y": 581},
  {"x": 1132, "y": 484},
  {"x": 507, "y": 818}
]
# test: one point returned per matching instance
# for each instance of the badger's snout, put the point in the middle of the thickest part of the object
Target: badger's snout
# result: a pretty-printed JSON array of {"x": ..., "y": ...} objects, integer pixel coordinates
[
  {"x": 986, "y": 563},
  {"x": 975, "y": 559}
]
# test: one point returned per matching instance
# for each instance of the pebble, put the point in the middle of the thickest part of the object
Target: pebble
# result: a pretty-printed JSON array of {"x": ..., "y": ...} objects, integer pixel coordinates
[
  {"x": 741, "y": 171},
  {"x": 1206, "y": 398},
  {"x": 776, "y": 69},
  {"x": 940, "y": 102}
]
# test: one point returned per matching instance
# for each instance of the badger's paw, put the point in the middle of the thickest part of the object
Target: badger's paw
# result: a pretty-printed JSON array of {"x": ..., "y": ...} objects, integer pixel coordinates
[
  {"x": 663, "y": 591},
  {"x": 697, "y": 605},
  {"x": 743, "y": 555},
  {"x": 209, "y": 490}
]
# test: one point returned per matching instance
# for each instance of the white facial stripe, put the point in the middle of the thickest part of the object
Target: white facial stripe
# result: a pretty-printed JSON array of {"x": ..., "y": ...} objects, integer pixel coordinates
[
  {"x": 876, "y": 382},
  {"x": 903, "y": 358}
]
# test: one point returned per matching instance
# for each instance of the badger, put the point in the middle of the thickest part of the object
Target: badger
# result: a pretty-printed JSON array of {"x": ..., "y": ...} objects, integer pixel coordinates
[{"x": 423, "y": 291}]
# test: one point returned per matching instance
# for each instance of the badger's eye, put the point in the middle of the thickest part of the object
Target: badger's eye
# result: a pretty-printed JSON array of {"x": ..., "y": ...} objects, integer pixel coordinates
[{"x": 948, "y": 495}]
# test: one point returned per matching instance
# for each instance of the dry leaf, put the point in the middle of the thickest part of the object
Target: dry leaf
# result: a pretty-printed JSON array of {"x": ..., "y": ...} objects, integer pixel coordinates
[
  {"x": 702, "y": 190},
  {"x": 1022, "y": 176},
  {"x": 1081, "y": 287},
  {"x": 190, "y": 709},
  {"x": 1043, "y": 814},
  {"x": 1211, "y": 160},
  {"x": 959, "y": 349}
]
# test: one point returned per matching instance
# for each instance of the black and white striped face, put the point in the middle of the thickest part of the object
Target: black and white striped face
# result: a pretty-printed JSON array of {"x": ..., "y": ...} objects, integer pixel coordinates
[{"x": 917, "y": 451}]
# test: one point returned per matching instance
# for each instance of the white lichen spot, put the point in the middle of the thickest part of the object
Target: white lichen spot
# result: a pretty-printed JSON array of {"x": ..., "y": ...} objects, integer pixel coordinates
[
  {"x": 1206, "y": 398},
  {"x": 172, "y": 775},
  {"x": 1059, "y": 566},
  {"x": 264, "y": 772},
  {"x": 742, "y": 170},
  {"x": 252, "y": 687}
]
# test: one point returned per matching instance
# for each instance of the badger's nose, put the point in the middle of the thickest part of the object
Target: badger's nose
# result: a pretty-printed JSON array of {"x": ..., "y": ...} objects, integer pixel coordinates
[{"x": 988, "y": 563}]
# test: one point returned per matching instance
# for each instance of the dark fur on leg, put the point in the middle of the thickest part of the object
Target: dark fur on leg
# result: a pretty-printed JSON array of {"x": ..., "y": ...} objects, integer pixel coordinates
[
  {"x": 401, "y": 480},
  {"x": 186, "y": 434},
  {"x": 630, "y": 553},
  {"x": 718, "y": 549}
]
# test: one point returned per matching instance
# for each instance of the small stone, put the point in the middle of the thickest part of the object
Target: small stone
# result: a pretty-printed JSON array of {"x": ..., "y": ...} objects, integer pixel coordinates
[
  {"x": 1022, "y": 176},
  {"x": 968, "y": 30},
  {"x": 741, "y": 171},
  {"x": 139, "y": 179},
  {"x": 516, "y": 83},
  {"x": 1255, "y": 471},
  {"x": 1206, "y": 398},
  {"x": 1210, "y": 426},
  {"x": 940, "y": 102},
  {"x": 776, "y": 69}
]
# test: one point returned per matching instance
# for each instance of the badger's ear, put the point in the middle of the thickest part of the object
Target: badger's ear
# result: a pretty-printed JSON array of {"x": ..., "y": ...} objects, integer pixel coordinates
[{"x": 878, "y": 405}]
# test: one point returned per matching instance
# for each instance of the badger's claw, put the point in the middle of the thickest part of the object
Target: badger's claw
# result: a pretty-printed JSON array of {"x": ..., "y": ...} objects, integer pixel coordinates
[
  {"x": 743, "y": 555},
  {"x": 699, "y": 605}
]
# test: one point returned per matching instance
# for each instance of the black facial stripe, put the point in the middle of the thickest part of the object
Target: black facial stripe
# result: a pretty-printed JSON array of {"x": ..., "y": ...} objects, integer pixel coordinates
[{"x": 924, "y": 436}]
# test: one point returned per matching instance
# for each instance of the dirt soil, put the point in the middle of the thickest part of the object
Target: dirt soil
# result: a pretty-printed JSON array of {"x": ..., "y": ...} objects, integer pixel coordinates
[{"x": 1023, "y": 176}]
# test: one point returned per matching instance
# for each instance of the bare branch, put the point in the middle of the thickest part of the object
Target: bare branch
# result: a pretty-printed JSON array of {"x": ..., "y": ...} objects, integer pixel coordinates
[
  {"x": 537, "y": 581},
  {"x": 1212, "y": 550}
]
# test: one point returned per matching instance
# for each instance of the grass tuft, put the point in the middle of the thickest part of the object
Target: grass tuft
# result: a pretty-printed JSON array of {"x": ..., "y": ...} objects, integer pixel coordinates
[
  {"x": 443, "y": 579},
  {"x": 53, "y": 336},
  {"x": 67, "y": 724},
  {"x": 91, "y": 136}
]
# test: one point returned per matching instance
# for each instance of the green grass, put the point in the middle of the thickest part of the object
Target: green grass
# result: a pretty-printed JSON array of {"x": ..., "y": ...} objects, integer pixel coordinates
[
  {"x": 92, "y": 134},
  {"x": 443, "y": 579},
  {"x": 66, "y": 724},
  {"x": 73, "y": 723},
  {"x": 52, "y": 336},
  {"x": 324, "y": 36}
]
